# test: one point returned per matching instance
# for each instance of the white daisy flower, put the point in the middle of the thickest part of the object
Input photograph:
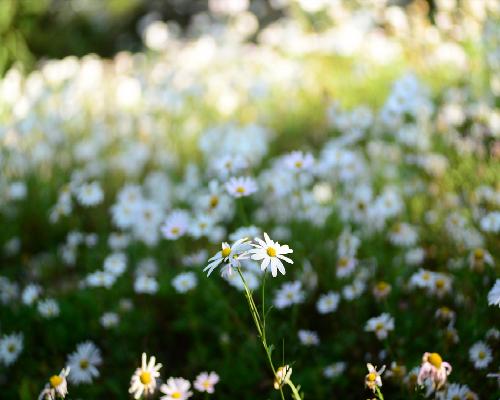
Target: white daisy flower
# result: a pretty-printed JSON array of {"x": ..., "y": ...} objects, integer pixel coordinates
[
  {"x": 328, "y": 302},
  {"x": 298, "y": 161},
  {"x": 230, "y": 255},
  {"x": 83, "y": 363},
  {"x": 176, "y": 389},
  {"x": 144, "y": 379},
  {"x": 109, "y": 319},
  {"x": 30, "y": 294},
  {"x": 308, "y": 338},
  {"x": 176, "y": 225},
  {"x": 290, "y": 293},
  {"x": 100, "y": 279},
  {"x": 380, "y": 325},
  {"x": 271, "y": 253},
  {"x": 241, "y": 187},
  {"x": 205, "y": 382},
  {"x": 345, "y": 266},
  {"x": 48, "y": 308},
  {"x": 184, "y": 282},
  {"x": 90, "y": 194},
  {"x": 494, "y": 294},
  {"x": 480, "y": 355},
  {"x": 333, "y": 370},
  {"x": 57, "y": 387},
  {"x": 145, "y": 284},
  {"x": 10, "y": 348},
  {"x": 115, "y": 264},
  {"x": 373, "y": 378}
]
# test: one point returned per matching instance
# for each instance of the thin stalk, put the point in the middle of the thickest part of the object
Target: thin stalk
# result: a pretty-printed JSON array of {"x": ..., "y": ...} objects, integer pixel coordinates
[{"x": 259, "y": 325}]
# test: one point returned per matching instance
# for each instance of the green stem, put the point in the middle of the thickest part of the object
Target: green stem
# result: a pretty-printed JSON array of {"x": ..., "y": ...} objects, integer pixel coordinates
[
  {"x": 259, "y": 325},
  {"x": 295, "y": 390},
  {"x": 379, "y": 393}
]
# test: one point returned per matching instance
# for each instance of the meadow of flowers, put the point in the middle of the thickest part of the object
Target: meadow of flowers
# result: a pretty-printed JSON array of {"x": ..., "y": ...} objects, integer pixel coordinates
[{"x": 303, "y": 207}]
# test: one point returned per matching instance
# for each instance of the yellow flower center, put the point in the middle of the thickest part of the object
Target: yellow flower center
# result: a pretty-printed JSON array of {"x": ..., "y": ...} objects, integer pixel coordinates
[
  {"x": 298, "y": 164},
  {"x": 382, "y": 286},
  {"x": 226, "y": 251},
  {"x": 439, "y": 283},
  {"x": 435, "y": 359},
  {"x": 206, "y": 384},
  {"x": 343, "y": 262},
  {"x": 371, "y": 377},
  {"x": 240, "y": 189},
  {"x": 174, "y": 230},
  {"x": 445, "y": 311},
  {"x": 271, "y": 252},
  {"x": 479, "y": 254},
  {"x": 176, "y": 395},
  {"x": 84, "y": 364},
  {"x": 379, "y": 326},
  {"x": 55, "y": 380},
  {"x": 214, "y": 201},
  {"x": 11, "y": 348},
  {"x": 481, "y": 355},
  {"x": 145, "y": 377}
]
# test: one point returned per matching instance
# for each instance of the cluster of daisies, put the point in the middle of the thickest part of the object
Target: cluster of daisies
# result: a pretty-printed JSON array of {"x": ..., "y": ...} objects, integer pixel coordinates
[{"x": 82, "y": 368}]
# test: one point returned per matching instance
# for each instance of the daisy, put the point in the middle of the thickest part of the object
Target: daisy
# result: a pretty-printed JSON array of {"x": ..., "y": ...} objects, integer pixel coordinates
[
  {"x": 333, "y": 370},
  {"x": 30, "y": 294},
  {"x": 308, "y": 338},
  {"x": 345, "y": 266},
  {"x": 184, "y": 282},
  {"x": 480, "y": 355},
  {"x": 434, "y": 370},
  {"x": 228, "y": 254},
  {"x": 83, "y": 363},
  {"x": 479, "y": 257},
  {"x": 298, "y": 161},
  {"x": 57, "y": 387},
  {"x": 290, "y": 293},
  {"x": 176, "y": 389},
  {"x": 10, "y": 348},
  {"x": 100, "y": 279},
  {"x": 48, "y": 308},
  {"x": 109, "y": 319},
  {"x": 176, "y": 225},
  {"x": 145, "y": 284},
  {"x": 271, "y": 253},
  {"x": 403, "y": 234},
  {"x": 205, "y": 382},
  {"x": 115, "y": 264},
  {"x": 458, "y": 392},
  {"x": 374, "y": 378},
  {"x": 494, "y": 294},
  {"x": 381, "y": 290},
  {"x": 283, "y": 375},
  {"x": 90, "y": 194},
  {"x": 328, "y": 302},
  {"x": 446, "y": 314},
  {"x": 241, "y": 187},
  {"x": 144, "y": 379},
  {"x": 380, "y": 325}
]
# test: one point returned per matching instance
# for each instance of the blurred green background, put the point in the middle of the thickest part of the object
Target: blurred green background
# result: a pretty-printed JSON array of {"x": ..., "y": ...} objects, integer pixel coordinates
[{"x": 32, "y": 30}]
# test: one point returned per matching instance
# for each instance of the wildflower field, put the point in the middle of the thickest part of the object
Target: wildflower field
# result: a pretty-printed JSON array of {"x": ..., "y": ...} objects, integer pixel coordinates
[{"x": 283, "y": 199}]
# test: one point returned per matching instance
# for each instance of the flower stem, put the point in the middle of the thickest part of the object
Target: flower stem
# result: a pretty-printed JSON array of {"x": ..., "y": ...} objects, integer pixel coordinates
[
  {"x": 379, "y": 393},
  {"x": 259, "y": 325}
]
